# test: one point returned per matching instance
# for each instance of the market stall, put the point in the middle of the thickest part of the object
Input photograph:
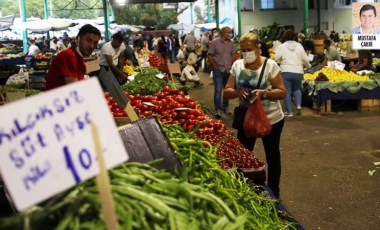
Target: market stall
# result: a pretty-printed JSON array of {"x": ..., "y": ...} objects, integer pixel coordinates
[
  {"x": 332, "y": 84},
  {"x": 11, "y": 57},
  {"x": 216, "y": 187}
]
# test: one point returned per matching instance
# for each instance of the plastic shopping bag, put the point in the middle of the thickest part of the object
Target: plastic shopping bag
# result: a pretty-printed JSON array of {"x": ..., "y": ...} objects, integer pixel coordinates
[{"x": 256, "y": 123}]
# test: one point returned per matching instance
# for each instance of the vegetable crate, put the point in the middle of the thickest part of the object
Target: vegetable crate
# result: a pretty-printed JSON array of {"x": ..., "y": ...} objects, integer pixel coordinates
[
  {"x": 325, "y": 107},
  {"x": 146, "y": 141},
  {"x": 369, "y": 105}
]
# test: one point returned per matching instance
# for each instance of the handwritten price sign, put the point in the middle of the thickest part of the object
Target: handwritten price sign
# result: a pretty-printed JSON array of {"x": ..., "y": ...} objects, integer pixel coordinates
[{"x": 46, "y": 143}]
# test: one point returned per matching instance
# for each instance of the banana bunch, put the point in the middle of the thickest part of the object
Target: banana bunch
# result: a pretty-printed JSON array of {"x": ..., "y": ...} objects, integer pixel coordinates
[
  {"x": 335, "y": 75},
  {"x": 128, "y": 69}
]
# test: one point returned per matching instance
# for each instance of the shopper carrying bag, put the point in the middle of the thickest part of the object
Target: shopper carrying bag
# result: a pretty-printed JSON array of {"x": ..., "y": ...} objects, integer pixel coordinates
[{"x": 243, "y": 83}]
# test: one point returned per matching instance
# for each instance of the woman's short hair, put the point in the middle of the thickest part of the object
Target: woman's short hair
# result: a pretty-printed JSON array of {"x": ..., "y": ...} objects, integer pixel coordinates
[{"x": 250, "y": 36}]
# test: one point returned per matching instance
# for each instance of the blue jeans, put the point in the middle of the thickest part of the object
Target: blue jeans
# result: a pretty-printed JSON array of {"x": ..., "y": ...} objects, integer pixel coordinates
[
  {"x": 220, "y": 81},
  {"x": 292, "y": 83},
  {"x": 171, "y": 54}
]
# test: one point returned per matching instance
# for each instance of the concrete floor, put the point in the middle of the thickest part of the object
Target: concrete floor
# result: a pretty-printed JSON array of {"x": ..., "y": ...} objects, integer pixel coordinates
[{"x": 325, "y": 182}]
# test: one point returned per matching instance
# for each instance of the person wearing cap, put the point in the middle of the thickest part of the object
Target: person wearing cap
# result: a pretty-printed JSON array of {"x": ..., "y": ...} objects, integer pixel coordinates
[
  {"x": 69, "y": 66},
  {"x": 112, "y": 57}
]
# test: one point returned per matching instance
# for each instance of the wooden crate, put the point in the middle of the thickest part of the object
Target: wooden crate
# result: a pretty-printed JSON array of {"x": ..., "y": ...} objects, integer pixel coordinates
[
  {"x": 325, "y": 107},
  {"x": 369, "y": 105},
  {"x": 13, "y": 96},
  {"x": 121, "y": 121}
]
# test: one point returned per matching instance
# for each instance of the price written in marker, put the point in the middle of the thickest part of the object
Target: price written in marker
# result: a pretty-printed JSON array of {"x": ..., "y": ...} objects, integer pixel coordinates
[{"x": 48, "y": 147}]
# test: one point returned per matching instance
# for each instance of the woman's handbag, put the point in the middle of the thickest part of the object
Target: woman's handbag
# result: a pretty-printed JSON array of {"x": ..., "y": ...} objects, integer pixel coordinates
[
  {"x": 240, "y": 111},
  {"x": 239, "y": 114},
  {"x": 256, "y": 122}
]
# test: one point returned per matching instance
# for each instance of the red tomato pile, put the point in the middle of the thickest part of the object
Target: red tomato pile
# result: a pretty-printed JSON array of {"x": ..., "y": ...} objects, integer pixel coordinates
[
  {"x": 154, "y": 60},
  {"x": 172, "y": 106},
  {"x": 114, "y": 108},
  {"x": 231, "y": 151}
]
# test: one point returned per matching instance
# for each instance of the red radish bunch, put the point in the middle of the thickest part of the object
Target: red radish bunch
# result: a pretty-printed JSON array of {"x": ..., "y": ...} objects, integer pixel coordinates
[{"x": 172, "y": 106}]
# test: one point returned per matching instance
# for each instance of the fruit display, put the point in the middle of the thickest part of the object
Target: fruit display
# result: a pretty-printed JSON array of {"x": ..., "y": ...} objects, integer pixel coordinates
[
  {"x": 375, "y": 61},
  {"x": 335, "y": 75},
  {"x": 43, "y": 56},
  {"x": 11, "y": 50},
  {"x": 128, "y": 69}
]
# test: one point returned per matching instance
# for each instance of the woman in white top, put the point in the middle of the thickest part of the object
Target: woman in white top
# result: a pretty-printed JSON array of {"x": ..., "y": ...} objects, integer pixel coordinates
[
  {"x": 293, "y": 58},
  {"x": 244, "y": 78}
]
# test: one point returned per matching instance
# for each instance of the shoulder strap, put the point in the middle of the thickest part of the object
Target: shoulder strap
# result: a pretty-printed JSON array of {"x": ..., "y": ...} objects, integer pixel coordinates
[{"x": 262, "y": 73}]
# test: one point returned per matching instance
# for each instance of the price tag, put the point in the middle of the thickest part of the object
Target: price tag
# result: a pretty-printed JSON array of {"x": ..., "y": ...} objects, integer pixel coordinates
[
  {"x": 311, "y": 57},
  {"x": 181, "y": 109},
  {"x": 160, "y": 76},
  {"x": 148, "y": 103},
  {"x": 46, "y": 143},
  {"x": 339, "y": 65}
]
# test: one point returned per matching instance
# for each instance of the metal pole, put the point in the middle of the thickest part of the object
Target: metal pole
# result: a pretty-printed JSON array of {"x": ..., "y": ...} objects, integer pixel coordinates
[
  {"x": 46, "y": 16},
  {"x": 191, "y": 13},
  {"x": 239, "y": 17},
  {"x": 24, "y": 33},
  {"x": 306, "y": 17},
  {"x": 208, "y": 11},
  {"x": 217, "y": 13},
  {"x": 318, "y": 16},
  {"x": 107, "y": 36}
]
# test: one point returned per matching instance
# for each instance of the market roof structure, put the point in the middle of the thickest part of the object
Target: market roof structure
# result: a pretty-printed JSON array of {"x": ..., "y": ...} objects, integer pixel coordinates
[{"x": 147, "y": 1}]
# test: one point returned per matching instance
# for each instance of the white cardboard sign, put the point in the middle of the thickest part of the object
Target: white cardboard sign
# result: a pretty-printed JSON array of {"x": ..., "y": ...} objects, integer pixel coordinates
[{"x": 46, "y": 143}]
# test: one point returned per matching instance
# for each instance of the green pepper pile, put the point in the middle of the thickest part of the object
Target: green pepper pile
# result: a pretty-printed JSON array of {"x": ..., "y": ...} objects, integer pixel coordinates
[{"x": 201, "y": 196}]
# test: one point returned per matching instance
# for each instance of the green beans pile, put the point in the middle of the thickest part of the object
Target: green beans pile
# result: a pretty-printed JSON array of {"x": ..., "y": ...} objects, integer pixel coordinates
[
  {"x": 145, "y": 198},
  {"x": 202, "y": 196},
  {"x": 201, "y": 167}
]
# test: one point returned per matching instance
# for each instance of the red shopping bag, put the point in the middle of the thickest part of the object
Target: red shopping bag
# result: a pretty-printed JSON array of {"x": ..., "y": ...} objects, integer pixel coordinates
[{"x": 256, "y": 123}]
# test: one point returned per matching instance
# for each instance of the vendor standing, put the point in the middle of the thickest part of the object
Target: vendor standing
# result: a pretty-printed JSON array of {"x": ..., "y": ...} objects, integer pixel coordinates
[
  {"x": 331, "y": 54},
  {"x": 69, "y": 66},
  {"x": 112, "y": 57}
]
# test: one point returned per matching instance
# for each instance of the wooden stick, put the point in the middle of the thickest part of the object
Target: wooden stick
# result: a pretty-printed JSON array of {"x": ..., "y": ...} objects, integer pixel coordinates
[{"x": 103, "y": 183}]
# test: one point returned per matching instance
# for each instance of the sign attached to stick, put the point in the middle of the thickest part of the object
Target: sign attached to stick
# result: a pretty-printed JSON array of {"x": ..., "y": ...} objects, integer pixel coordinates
[{"x": 46, "y": 143}]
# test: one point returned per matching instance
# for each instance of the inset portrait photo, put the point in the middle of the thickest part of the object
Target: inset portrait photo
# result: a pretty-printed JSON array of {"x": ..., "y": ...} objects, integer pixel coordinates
[{"x": 365, "y": 18}]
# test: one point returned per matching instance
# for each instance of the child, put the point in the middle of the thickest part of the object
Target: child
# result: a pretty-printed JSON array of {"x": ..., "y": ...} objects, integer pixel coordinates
[{"x": 189, "y": 73}]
